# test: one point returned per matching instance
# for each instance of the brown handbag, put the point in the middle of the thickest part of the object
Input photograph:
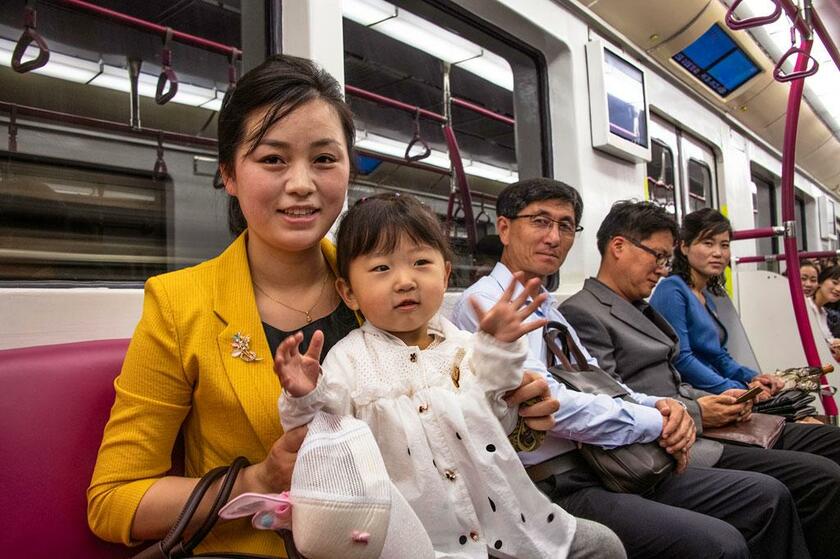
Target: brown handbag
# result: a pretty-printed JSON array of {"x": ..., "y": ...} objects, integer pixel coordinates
[
  {"x": 173, "y": 546},
  {"x": 761, "y": 430},
  {"x": 633, "y": 468}
]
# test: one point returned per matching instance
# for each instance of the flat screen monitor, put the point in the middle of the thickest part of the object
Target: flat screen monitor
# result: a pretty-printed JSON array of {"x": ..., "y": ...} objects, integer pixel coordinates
[{"x": 618, "y": 103}]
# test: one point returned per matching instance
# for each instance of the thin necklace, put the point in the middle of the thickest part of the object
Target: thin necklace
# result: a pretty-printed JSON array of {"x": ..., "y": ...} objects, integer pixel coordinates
[{"x": 308, "y": 313}]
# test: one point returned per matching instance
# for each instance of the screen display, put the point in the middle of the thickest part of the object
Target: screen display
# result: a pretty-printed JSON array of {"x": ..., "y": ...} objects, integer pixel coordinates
[
  {"x": 625, "y": 99},
  {"x": 717, "y": 61}
]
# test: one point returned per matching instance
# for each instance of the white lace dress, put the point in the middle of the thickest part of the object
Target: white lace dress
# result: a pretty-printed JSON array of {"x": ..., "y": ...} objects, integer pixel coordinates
[{"x": 437, "y": 416}]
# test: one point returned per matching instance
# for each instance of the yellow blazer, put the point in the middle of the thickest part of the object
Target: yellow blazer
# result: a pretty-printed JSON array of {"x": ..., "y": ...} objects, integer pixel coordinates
[{"x": 179, "y": 374}]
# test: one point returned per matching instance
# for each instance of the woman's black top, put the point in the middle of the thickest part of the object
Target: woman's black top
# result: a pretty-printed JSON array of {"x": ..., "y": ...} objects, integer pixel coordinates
[{"x": 335, "y": 326}]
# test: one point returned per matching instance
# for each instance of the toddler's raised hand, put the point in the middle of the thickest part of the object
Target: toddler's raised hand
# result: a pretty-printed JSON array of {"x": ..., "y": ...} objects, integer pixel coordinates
[
  {"x": 299, "y": 372},
  {"x": 504, "y": 320}
]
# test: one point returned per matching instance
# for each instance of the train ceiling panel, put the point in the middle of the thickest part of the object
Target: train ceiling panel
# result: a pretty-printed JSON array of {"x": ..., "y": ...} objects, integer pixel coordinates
[
  {"x": 658, "y": 25},
  {"x": 761, "y": 102}
]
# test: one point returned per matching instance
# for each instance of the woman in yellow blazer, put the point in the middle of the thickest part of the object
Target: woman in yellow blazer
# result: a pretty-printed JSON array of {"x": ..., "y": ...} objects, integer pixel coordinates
[{"x": 200, "y": 362}]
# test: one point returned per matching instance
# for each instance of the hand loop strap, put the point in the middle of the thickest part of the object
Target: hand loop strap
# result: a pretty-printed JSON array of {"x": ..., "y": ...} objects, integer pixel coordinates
[
  {"x": 417, "y": 139},
  {"x": 779, "y": 74},
  {"x": 167, "y": 74},
  {"x": 482, "y": 216},
  {"x": 29, "y": 36},
  {"x": 737, "y": 24},
  {"x": 160, "y": 170},
  {"x": 13, "y": 129}
]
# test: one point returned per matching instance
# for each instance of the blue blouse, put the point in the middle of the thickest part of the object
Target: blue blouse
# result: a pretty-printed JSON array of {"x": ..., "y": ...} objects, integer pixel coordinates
[{"x": 703, "y": 360}]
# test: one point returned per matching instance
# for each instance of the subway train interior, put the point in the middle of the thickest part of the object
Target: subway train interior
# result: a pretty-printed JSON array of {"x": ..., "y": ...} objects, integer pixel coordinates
[{"x": 106, "y": 179}]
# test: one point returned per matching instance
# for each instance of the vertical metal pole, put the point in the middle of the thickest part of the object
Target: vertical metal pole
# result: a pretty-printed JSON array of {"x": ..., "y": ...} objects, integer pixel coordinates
[
  {"x": 134, "y": 65},
  {"x": 788, "y": 220}
]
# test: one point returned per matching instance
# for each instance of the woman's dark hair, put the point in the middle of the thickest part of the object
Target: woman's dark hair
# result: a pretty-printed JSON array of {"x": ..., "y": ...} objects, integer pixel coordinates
[
  {"x": 519, "y": 194},
  {"x": 376, "y": 224},
  {"x": 829, "y": 273},
  {"x": 809, "y": 264},
  {"x": 699, "y": 226},
  {"x": 279, "y": 85},
  {"x": 634, "y": 220}
]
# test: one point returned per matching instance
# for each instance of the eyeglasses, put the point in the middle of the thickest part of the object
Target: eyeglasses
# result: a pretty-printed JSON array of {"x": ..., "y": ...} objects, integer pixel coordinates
[
  {"x": 663, "y": 259},
  {"x": 544, "y": 223}
]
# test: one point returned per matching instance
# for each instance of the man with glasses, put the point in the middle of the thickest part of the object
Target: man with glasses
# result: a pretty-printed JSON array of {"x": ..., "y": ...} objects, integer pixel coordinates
[
  {"x": 701, "y": 512},
  {"x": 636, "y": 345}
]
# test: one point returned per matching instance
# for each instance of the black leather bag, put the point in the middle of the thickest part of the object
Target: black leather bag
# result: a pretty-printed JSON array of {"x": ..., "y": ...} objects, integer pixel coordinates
[
  {"x": 173, "y": 546},
  {"x": 633, "y": 468},
  {"x": 791, "y": 404}
]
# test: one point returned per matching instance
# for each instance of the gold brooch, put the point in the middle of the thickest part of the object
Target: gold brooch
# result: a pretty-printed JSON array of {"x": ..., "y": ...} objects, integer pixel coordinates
[
  {"x": 456, "y": 367},
  {"x": 241, "y": 348}
]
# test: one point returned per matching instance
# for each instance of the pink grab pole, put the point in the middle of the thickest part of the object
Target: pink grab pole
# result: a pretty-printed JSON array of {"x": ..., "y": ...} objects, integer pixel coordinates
[{"x": 788, "y": 219}]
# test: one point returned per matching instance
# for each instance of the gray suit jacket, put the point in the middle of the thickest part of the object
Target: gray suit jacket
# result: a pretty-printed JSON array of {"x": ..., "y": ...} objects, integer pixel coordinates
[{"x": 636, "y": 350}]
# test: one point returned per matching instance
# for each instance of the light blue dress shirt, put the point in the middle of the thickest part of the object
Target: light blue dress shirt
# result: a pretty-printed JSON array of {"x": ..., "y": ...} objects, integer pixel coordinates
[{"x": 586, "y": 418}]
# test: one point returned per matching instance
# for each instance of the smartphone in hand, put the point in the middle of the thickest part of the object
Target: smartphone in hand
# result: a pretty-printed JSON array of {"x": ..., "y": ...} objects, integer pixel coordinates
[{"x": 749, "y": 394}]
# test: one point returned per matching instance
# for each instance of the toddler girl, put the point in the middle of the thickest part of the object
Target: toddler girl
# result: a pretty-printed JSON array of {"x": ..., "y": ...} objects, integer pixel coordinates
[{"x": 432, "y": 394}]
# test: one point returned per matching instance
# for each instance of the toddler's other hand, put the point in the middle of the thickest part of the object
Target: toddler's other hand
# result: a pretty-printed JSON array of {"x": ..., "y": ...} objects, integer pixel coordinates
[{"x": 505, "y": 320}]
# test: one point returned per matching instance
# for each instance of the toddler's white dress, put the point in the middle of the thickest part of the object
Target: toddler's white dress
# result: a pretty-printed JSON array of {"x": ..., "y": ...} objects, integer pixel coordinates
[{"x": 438, "y": 415}]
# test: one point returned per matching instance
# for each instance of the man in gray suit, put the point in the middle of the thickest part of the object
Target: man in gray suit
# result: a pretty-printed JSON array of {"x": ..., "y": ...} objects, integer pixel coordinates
[{"x": 631, "y": 341}]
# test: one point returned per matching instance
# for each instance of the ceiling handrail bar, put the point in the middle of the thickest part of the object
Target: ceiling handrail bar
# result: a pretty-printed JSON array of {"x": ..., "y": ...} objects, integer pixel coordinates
[
  {"x": 779, "y": 257},
  {"x": 144, "y": 25},
  {"x": 737, "y": 24},
  {"x": 759, "y": 233},
  {"x": 107, "y": 125},
  {"x": 393, "y": 103},
  {"x": 463, "y": 103}
]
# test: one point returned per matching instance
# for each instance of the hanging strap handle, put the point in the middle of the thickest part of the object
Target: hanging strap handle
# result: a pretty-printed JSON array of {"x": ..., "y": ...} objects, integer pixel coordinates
[
  {"x": 738, "y": 24},
  {"x": 482, "y": 217},
  {"x": 160, "y": 171},
  {"x": 561, "y": 345},
  {"x": 167, "y": 74},
  {"x": 779, "y": 74},
  {"x": 30, "y": 35},
  {"x": 415, "y": 139}
]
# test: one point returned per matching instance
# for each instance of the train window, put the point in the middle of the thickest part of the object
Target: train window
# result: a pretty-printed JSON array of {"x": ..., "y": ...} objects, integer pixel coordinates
[
  {"x": 62, "y": 221},
  {"x": 764, "y": 212},
  {"x": 96, "y": 187},
  {"x": 660, "y": 177},
  {"x": 717, "y": 61},
  {"x": 699, "y": 185},
  {"x": 452, "y": 68},
  {"x": 801, "y": 223}
]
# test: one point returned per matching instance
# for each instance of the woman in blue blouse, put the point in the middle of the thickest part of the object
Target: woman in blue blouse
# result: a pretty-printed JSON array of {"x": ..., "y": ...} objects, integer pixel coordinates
[{"x": 683, "y": 299}]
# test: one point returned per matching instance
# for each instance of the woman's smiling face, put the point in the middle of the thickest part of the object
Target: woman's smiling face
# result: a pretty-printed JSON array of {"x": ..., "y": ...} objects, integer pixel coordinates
[{"x": 292, "y": 185}]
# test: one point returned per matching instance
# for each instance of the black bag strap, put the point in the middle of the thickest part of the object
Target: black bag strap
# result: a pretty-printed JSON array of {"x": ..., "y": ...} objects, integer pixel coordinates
[
  {"x": 561, "y": 346},
  {"x": 172, "y": 545}
]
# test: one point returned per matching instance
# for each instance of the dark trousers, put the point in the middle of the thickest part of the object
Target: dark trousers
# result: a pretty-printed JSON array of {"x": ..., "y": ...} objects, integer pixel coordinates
[
  {"x": 703, "y": 513},
  {"x": 812, "y": 475}
]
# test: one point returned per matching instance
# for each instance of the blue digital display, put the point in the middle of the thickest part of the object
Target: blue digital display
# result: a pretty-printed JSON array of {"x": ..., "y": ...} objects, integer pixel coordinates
[{"x": 717, "y": 61}]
